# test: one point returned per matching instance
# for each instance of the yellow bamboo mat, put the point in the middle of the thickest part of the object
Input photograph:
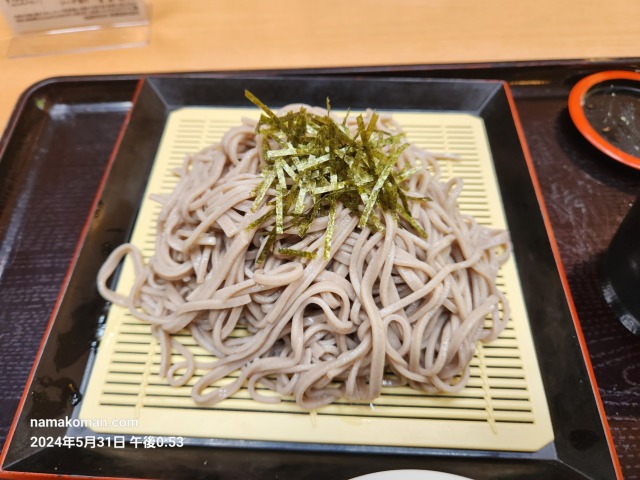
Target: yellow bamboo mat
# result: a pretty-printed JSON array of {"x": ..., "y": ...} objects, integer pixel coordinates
[{"x": 502, "y": 408}]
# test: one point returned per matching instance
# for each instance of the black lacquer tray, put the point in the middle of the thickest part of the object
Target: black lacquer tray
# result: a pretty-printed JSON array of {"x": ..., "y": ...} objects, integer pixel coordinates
[{"x": 53, "y": 160}]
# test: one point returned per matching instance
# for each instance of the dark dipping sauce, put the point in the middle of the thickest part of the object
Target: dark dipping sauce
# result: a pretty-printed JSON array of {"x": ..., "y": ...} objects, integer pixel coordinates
[{"x": 613, "y": 110}]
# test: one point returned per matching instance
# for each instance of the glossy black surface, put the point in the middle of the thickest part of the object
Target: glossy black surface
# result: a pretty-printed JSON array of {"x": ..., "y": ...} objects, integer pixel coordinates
[
  {"x": 580, "y": 449},
  {"x": 621, "y": 270}
]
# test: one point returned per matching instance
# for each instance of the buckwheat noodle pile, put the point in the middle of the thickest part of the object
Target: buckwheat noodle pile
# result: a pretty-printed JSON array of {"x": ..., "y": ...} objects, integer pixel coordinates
[{"x": 384, "y": 306}]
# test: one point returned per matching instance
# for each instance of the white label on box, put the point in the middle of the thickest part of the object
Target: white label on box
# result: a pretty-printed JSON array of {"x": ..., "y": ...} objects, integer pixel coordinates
[{"x": 30, "y": 16}]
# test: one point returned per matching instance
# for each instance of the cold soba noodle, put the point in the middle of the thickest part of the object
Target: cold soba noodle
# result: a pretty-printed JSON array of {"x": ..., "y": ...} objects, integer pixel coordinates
[{"x": 316, "y": 304}]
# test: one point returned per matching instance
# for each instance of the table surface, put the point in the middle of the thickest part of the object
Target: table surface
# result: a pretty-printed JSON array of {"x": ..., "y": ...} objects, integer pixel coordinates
[
  {"x": 267, "y": 35},
  {"x": 201, "y": 35}
]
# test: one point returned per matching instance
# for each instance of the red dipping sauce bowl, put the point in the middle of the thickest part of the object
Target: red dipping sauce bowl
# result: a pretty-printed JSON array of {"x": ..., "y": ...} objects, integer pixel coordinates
[{"x": 605, "y": 107}]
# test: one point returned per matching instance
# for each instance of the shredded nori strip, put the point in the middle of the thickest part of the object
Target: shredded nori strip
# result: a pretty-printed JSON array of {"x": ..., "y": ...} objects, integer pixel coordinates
[{"x": 319, "y": 163}]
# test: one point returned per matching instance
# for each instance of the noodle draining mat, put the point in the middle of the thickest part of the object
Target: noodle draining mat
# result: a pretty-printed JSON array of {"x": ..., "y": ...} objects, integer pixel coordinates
[{"x": 502, "y": 408}]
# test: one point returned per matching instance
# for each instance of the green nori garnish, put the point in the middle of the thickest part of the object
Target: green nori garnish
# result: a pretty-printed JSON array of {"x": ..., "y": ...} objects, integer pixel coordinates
[{"x": 319, "y": 163}]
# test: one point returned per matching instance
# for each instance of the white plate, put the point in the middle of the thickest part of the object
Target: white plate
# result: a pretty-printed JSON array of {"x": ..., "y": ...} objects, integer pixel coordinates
[{"x": 410, "y": 475}]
